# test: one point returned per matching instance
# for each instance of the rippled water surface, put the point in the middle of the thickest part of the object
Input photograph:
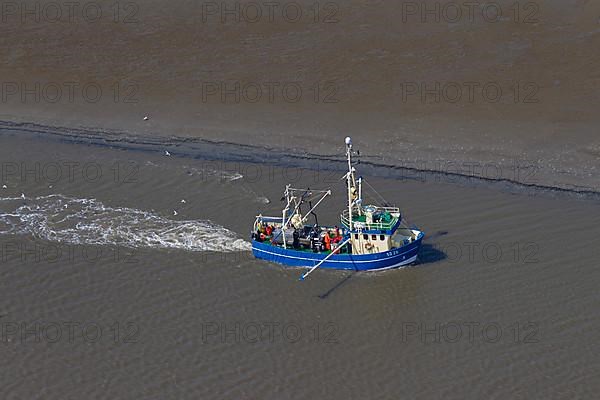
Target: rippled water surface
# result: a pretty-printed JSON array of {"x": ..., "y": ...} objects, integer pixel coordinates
[{"x": 129, "y": 276}]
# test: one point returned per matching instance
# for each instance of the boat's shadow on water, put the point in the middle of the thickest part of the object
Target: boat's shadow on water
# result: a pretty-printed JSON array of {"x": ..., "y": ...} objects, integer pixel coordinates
[
  {"x": 428, "y": 254},
  {"x": 336, "y": 286}
]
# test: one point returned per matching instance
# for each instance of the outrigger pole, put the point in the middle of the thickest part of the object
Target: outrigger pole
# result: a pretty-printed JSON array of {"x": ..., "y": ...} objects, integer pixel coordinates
[
  {"x": 323, "y": 260},
  {"x": 327, "y": 193}
]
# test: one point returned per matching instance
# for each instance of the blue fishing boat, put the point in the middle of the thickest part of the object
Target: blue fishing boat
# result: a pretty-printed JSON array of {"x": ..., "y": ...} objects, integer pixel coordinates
[{"x": 369, "y": 238}]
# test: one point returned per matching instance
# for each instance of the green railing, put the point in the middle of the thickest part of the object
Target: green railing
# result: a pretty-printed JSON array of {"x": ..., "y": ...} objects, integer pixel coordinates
[{"x": 384, "y": 218}]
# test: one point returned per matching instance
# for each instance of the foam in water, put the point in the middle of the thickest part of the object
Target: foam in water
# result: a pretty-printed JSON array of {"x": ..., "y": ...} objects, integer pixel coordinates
[
  {"x": 88, "y": 221},
  {"x": 214, "y": 173}
]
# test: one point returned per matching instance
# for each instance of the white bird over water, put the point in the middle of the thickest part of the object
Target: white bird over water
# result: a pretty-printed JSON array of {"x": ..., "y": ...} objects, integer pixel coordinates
[
  {"x": 167, "y": 153},
  {"x": 3, "y": 186},
  {"x": 23, "y": 196},
  {"x": 146, "y": 118},
  {"x": 174, "y": 212},
  {"x": 183, "y": 201}
]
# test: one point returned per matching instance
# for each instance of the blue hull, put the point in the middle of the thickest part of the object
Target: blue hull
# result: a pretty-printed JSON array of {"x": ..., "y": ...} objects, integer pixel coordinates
[{"x": 364, "y": 262}]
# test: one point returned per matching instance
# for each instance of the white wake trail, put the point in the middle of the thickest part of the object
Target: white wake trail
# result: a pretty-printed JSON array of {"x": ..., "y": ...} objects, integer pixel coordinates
[{"x": 70, "y": 220}]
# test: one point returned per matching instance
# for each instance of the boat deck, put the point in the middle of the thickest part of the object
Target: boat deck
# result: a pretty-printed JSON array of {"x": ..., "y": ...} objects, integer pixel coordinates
[{"x": 344, "y": 250}]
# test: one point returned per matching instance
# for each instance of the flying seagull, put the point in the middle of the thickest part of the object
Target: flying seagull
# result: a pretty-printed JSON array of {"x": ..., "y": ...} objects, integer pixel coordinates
[
  {"x": 167, "y": 153},
  {"x": 183, "y": 201},
  {"x": 174, "y": 212},
  {"x": 146, "y": 118},
  {"x": 23, "y": 196},
  {"x": 3, "y": 186}
]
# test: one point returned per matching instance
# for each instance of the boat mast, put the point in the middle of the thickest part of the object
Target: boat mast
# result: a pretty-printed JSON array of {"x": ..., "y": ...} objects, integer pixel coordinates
[
  {"x": 287, "y": 207},
  {"x": 349, "y": 179}
]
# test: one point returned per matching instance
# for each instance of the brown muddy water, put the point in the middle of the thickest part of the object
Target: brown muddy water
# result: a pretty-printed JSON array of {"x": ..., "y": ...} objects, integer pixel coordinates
[
  {"x": 106, "y": 293},
  {"x": 415, "y": 82}
]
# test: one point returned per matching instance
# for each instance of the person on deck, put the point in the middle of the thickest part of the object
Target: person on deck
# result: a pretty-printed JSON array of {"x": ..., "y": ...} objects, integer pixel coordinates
[
  {"x": 327, "y": 241},
  {"x": 338, "y": 236}
]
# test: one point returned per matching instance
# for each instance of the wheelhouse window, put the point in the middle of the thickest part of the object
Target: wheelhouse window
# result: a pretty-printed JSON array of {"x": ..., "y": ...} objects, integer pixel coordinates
[
  {"x": 373, "y": 237},
  {"x": 365, "y": 236},
  {"x": 382, "y": 237},
  {"x": 356, "y": 236}
]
